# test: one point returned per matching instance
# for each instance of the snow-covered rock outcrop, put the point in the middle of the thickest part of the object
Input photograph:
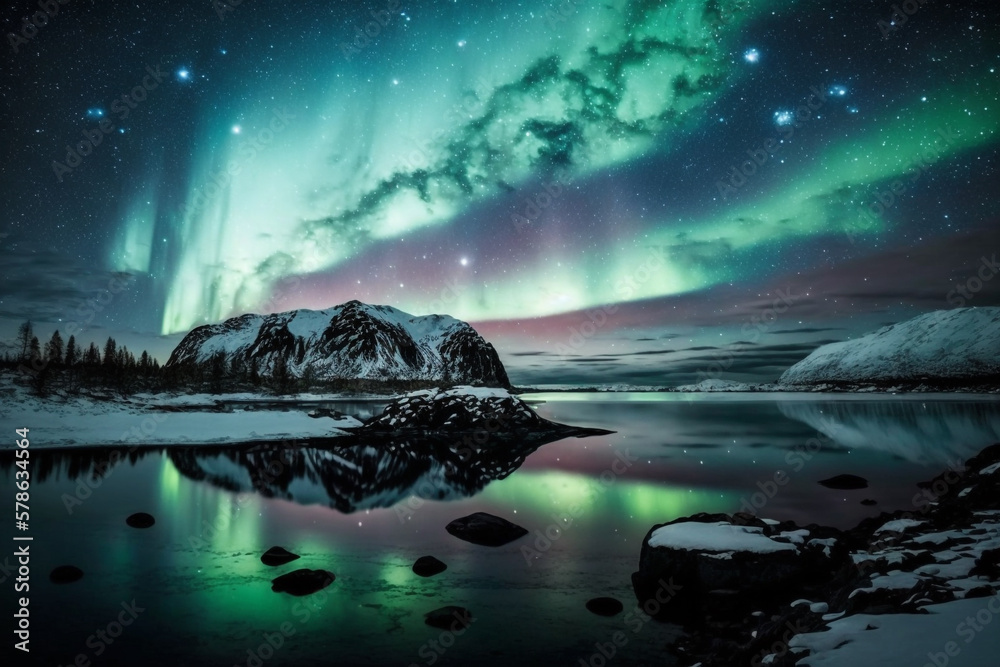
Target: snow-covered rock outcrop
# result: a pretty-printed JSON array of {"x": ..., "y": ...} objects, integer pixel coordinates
[
  {"x": 457, "y": 409},
  {"x": 945, "y": 347},
  {"x": 892, "y": 590},
  {"x": 352, "y": 341}
]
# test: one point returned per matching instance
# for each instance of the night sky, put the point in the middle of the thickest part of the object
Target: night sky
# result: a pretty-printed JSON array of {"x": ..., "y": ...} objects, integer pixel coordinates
[{"x": 565, "y": 176}]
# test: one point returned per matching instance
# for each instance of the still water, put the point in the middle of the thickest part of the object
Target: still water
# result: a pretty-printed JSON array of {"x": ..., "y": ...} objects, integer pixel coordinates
[{"x": 195, "y": 592}]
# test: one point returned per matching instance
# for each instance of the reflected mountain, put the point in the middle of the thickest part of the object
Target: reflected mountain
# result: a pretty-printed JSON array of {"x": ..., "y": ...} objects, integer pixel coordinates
[
  {"x": 926, "y": 432},
  {"x": 362, "y": 476},
  {"x": 379, "y": 472}
]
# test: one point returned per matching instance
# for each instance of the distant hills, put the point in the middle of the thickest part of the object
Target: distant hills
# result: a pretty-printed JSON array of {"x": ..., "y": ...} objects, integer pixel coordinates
[{"x": 944, "y": 348}]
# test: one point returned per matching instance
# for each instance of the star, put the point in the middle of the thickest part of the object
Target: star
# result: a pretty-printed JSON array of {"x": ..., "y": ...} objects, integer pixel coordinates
[
  {"x": 184, "y": 74},
  {"x": 464, "y": 261},
  {"x": 751, "y": 56},
  {"x": 838, "y": 91},
  {"x": 784, "y": 117},
  {"x": 236, "y": 129}
]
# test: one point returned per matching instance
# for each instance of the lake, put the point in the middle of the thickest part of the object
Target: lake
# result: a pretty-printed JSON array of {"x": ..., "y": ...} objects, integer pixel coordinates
[{"x": 194, "y": 591}]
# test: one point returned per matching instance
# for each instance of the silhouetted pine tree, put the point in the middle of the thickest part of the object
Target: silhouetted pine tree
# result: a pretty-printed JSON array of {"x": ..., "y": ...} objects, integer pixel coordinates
[
  {"x": 54, "y": 349},
  {"x": 24, "y": 336}
]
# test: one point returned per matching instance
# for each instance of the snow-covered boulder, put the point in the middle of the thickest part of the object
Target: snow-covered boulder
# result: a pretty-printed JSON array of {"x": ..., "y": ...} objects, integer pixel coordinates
[
  {"x": 945, "y": 348},
  {"x": 725, "y": 565},
  {"x": 933, "y": 566}
]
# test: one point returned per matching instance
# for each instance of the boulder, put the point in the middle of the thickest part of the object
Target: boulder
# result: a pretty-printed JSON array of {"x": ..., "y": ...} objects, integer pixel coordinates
[
  {"x": 845, "y": 482},
  {"x": 605, "y": 606},
  {"x": 449, "y": 618},
  {"x": 302, "y": 582},
  {"x": 728, "y": 565},
  {"x": 428, "y": 566},
  {"x": 140, "y": 520},
  {"x": 278, "y": 556},
  {"x": 485, "y": 529},
  {"x": 65, "y": 574}
]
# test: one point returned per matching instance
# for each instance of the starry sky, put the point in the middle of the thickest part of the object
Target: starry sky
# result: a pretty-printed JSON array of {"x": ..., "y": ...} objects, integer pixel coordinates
[{"x": 620, "y": 191}]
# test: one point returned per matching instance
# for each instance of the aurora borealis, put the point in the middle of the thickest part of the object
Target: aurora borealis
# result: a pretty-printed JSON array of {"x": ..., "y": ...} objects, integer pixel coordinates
[{"x": 672, "y": 164}]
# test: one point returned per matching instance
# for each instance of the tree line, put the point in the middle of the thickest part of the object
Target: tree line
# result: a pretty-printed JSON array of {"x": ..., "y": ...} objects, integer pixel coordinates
[
  {"x": 71, "y": 366},
  {"x": 68, "y": 366}
]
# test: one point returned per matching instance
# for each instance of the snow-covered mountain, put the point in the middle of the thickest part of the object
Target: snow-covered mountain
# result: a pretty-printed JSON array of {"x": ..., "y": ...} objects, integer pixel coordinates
[
  {"x": 352, "y": 341},
  {"x": 945, "y": 347}
]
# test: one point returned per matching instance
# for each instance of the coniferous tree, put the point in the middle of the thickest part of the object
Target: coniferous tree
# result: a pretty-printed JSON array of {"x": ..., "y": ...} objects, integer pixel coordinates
[
  {"x": 110, "y": 353},
  {"x": 71, "y": 352},
  {"x": 54, "y": 349},
  {"x": 24, "y": 336},
  {"x": 92, "y": 357},
  {"x": 281, "y": 377},
  {"x": 217, "y": 372}
]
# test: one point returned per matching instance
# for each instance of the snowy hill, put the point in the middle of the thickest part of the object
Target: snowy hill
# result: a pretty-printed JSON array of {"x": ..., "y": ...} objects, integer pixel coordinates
[
  {"x": 353, "y": 340},
  {"x": 945, "y": 347}
]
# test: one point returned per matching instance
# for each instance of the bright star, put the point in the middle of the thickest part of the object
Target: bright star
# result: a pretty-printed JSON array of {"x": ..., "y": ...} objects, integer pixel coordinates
[
  {"x": 236, "y": 129},
  {"x": 461, "y": 43},
  {"x": 784, "y": 117},
  {"x": 95, "y": 113},
  {"x": 183, "y": 74},
  {"x": 752, "y": 56},
  {"x": 464, "y": 261},
  {"x": 838, "y": 91}
]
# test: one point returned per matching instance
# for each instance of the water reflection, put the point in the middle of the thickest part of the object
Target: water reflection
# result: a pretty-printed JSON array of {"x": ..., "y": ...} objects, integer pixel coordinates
[
  {"x": 347, "y": 478},
  {"x": 363, "y": 476},
  {"x": 926, "y": 432}
]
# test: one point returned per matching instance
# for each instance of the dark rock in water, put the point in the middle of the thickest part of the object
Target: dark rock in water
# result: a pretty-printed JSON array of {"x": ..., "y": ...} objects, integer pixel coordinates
[
  {"x": 302, "y": 582},
  {"x": 605, "y": 606},
  {"x": 278, "y": 556},
  {"x": 428, "y": 566},
  {"x": 65, "y": 574},
  {"x": 140, "y": 520},
  {"x": 449, "y": 618},
  {"x": 845, "y": 482},
  {"x": 868, "y": 502},
  {"x": 485, "y": 529}
]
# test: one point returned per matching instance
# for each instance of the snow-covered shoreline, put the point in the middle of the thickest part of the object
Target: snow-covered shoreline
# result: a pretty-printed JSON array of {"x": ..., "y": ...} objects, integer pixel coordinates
[
  {"x": 96, "y": 419},
  {"x": 182, "y": 419},
  {"x": 848, "y": 597}
]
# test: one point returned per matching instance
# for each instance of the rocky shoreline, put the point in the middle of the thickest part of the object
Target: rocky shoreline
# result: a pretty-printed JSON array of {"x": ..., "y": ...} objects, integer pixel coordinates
[{"x": 753, "y": 591}]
